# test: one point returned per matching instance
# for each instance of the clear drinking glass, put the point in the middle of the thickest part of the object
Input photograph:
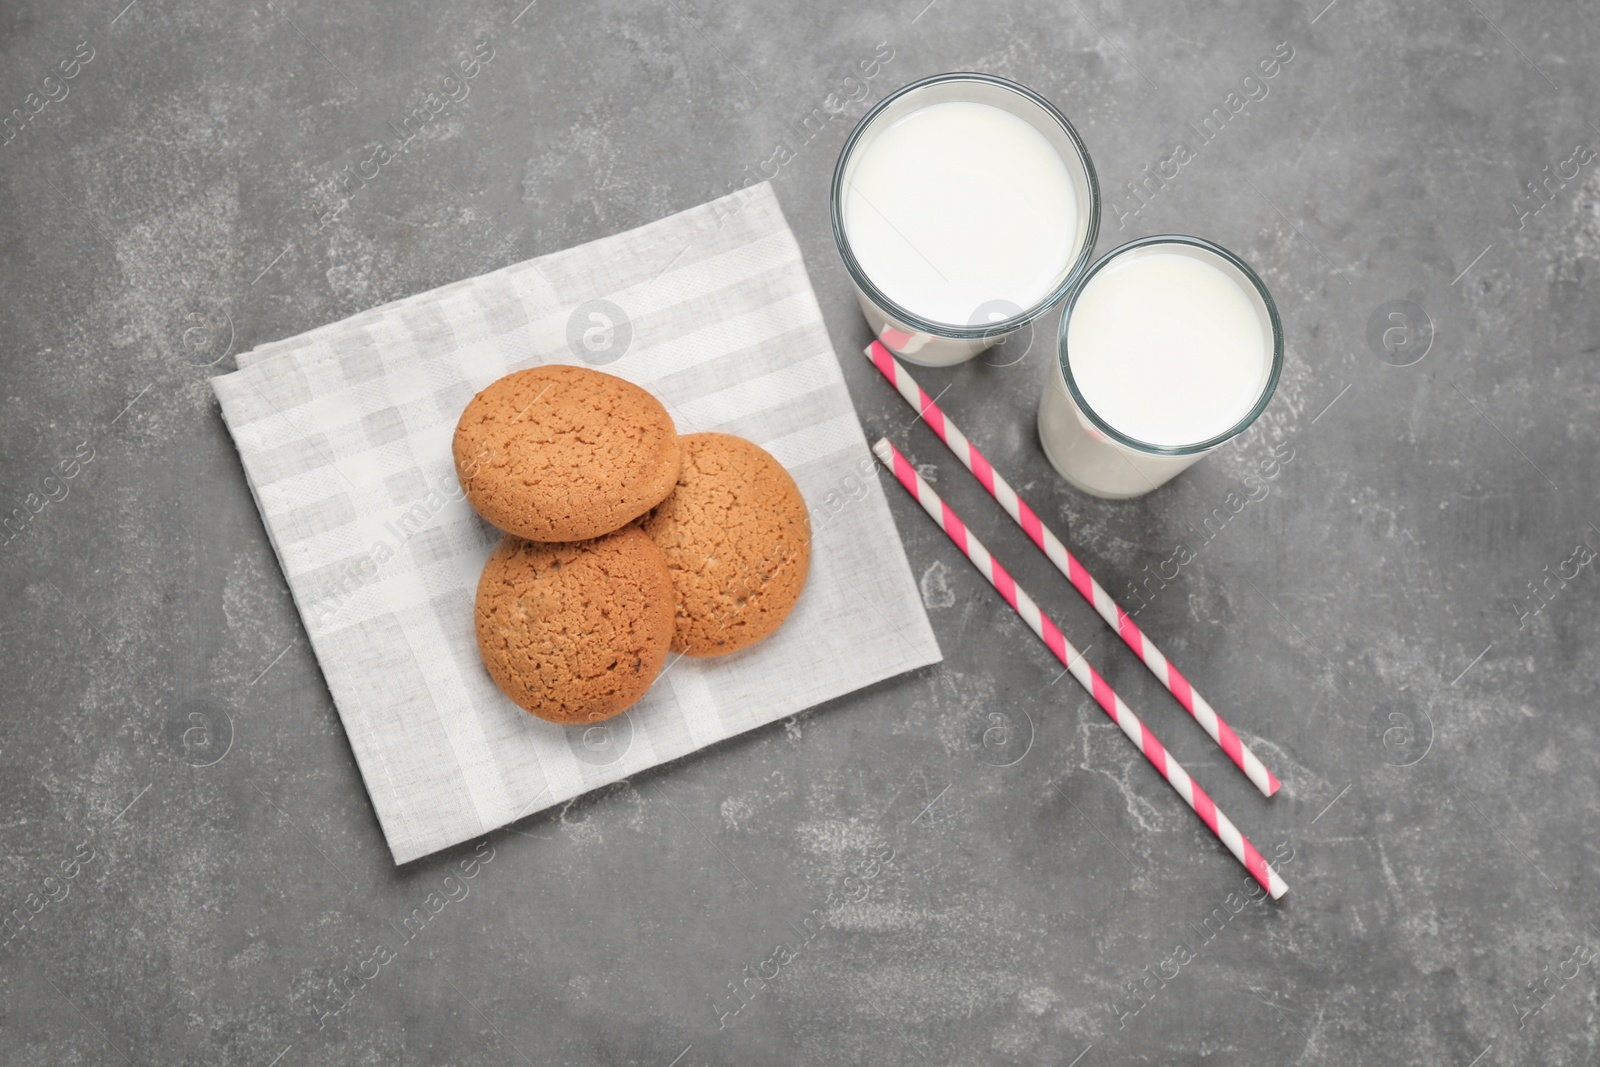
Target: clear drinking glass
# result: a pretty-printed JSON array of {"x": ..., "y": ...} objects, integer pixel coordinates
[
  {"x": 1104, "y": 460},
  {"x": 915, "y": 337}
]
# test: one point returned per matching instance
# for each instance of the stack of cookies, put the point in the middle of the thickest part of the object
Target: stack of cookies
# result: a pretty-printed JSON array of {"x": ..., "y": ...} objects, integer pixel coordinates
[{"x": 623, "y": 540}]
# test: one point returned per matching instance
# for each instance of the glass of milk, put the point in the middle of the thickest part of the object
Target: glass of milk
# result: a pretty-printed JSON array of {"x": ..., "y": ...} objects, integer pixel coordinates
[
  {"x": 1169, "y": 347},
  {"x": 964, "y": 206}
]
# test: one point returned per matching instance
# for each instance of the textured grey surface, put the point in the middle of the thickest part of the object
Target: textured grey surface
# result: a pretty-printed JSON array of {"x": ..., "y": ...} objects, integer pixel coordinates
[{"x": 190, "y": 862}]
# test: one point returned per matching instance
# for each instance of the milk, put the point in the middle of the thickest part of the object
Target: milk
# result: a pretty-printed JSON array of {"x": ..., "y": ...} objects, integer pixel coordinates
[
  {"x": 964, "y": 205},
  {"x": 962, "y": 212},
  {"x": 1171, "y": 349},
  {"x": 1167, "y": 348}
]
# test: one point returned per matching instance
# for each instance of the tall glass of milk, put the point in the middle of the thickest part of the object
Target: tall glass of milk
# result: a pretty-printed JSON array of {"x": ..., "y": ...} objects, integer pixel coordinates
[
  {"x": 1169, "y": 347},
  {"x": 964, "y": 206}
]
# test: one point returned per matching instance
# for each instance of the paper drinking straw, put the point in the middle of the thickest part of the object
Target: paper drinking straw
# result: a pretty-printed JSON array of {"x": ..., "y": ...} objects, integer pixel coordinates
[
  {"x": 1108, "y": 609},
  {"x": 1087, "y": 676}
]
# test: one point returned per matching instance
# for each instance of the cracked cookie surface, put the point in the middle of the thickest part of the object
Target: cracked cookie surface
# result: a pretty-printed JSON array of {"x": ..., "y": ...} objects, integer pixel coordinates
[
  {"x": 564, "y": 453},
  {"x": 738, "y": 543},
  {"x": 575, "y": 632}
]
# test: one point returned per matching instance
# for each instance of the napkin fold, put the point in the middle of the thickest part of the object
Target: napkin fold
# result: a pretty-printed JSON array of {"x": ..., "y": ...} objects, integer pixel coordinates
[{"x": 344, "y": 433}]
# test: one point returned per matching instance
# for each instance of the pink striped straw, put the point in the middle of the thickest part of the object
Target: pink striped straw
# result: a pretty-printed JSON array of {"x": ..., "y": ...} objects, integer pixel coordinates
[
  {"x": 1108, "y": 609},
  {"x": 1087, "y": 676}
]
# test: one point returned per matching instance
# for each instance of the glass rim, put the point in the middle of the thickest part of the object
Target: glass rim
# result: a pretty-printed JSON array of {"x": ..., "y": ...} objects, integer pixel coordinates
[
  {"x": 947, "y": 329},
  {"x": 1270, "y": 387}
]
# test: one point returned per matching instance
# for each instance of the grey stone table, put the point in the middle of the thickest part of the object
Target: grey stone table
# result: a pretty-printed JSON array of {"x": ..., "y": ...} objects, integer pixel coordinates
[{"x": 1392, "y": 582}]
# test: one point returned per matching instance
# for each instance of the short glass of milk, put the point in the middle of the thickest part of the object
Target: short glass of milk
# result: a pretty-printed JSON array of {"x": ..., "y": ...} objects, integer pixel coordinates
[
  {"x": 1169, "y": 347},
  {"x": 964, "y": 205}
]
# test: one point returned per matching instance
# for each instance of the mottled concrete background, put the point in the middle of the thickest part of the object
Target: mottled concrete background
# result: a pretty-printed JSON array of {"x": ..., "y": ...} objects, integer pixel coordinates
[{"x": 1392, "y": 589}]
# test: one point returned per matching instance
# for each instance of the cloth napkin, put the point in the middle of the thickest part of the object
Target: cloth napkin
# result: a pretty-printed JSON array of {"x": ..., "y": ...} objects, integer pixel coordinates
[{"x": 344, "y": 433}]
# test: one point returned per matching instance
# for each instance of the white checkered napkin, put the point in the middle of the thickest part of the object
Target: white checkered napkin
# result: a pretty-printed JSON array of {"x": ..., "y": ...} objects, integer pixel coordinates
[{"x": 345, "y": 433}]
